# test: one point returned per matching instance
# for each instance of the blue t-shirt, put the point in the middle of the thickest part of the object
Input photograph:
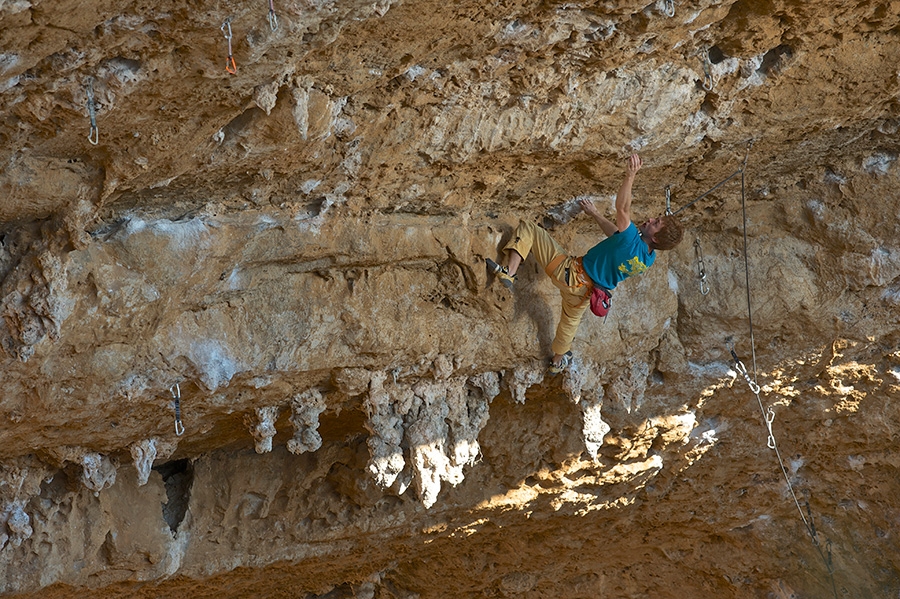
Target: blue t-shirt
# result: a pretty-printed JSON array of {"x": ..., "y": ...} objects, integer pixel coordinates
[{"x": 617, "y": 257}]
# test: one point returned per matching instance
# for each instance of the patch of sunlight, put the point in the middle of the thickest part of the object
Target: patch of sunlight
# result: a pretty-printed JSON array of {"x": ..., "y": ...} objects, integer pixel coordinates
[
  {"x": 514, "y": 498},
  {"x": 707, "y": 440},
  {"x": 855, "y": 371},
  {"x": 841, "y": 388},
  {"x": 636, "y": 474},
  {"x": 850, "y": 396},
  {"x": 778, "y": 386},
  {"x": 589, "y": 485},
  {"x": 724, "y": 383},
  {"x": 626, "y": 472},
  {"x": 467, "y": 530},
  {"x": 588, "y": 503},
  {"x": 672, "y": 428},
  {"x": 847, "y": 405},
  {"x": 436, "y": 529}
]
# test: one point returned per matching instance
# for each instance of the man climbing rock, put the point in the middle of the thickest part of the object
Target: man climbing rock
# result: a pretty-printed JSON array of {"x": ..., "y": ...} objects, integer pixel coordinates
[{"x": 628, "y": 250}]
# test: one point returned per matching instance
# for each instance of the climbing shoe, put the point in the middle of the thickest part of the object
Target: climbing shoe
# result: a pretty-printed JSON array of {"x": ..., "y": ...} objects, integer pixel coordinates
[
  {"x": 557, "y": 367},
  {"x": 501, "y": 272}
]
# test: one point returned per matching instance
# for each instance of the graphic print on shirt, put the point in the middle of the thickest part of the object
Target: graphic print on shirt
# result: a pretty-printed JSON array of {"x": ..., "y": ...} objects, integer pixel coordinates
[{"x": 632, "y": 267}]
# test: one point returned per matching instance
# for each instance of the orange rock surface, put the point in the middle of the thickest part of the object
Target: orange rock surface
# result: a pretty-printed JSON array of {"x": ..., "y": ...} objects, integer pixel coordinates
[{"x": 292, "y": 257}]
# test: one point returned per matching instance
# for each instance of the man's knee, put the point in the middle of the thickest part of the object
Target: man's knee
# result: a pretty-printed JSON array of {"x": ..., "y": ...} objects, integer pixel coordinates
[
  {"x": 511, "y": 250},
  {"x": 522, "y": 236}
]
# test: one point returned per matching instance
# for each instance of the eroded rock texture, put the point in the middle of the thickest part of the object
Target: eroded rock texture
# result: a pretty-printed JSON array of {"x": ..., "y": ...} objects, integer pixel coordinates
[{"x": 289, "y": 260}]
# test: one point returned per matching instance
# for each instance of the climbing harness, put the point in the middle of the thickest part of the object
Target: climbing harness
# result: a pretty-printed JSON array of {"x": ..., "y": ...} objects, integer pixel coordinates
[
  {"x": 669, "y": 8},
  {"x": 273, "y": 20},
  {"x": 176, "y": 395},
  {"x": 599, "y": 297},
  {"x": 769, "y": 415},
  {"x": 94, "y": 135},
  {"x": 230, "y": 65},
  {"x": 708, "y": 81},
  {"x": 701, "y": 269}
]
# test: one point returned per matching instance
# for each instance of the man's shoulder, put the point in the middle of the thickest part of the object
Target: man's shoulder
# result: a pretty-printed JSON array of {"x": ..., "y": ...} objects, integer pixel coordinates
[{"x": 630, "y": 231}]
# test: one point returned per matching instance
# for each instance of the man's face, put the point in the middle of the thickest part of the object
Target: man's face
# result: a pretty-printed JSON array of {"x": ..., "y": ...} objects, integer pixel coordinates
[{"x": 650, "y": 228}]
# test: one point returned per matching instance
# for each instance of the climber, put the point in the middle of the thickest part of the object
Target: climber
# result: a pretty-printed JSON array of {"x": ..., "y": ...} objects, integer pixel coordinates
[{"x": 628, "y": 250}]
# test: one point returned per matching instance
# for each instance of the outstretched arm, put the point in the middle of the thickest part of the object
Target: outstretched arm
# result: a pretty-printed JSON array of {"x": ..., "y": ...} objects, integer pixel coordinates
[
  {"x": 623, "y": 198},
  {"x": 588, "y": 206}
]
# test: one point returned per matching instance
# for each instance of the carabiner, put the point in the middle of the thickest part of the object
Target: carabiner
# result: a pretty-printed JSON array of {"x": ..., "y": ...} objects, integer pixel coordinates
[
  {"x": 669, "y": 8},
  {"x": 273, "y": 20},
  {"x": 176, "y": 394},
  {"x": 230, "y": 65},
  {"x": 94, "y": 134},
  {"x": 708, "y": 81}
]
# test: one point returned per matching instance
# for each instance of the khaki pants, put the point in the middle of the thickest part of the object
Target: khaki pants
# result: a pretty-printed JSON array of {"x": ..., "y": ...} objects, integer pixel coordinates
[{"x": 528, "y": 239}]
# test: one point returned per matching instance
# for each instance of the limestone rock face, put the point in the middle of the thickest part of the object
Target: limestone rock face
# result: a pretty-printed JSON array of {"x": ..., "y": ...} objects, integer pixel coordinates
[{"x": 249, "y": 346}]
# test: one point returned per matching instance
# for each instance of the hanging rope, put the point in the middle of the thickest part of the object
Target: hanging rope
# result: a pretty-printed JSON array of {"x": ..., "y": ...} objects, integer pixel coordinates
[{"x": 769, "y": 415}]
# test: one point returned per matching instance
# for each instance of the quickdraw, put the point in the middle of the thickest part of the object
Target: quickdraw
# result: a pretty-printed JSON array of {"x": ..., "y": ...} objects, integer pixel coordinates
[
  {"x": 739, "y": 171},
  {"x": 769, "y": 414},
  {"x": 230, "y": 65},
  {"x": 176, "y": 395},
  {"x": 708, "y": 81},
  {"x": 669, "y": 8},
  {"x": 94, "y": 135},
  {"x": 701, "y": 268},
  {"x": 273, "y": 20},
  {"x": 742, "y": 370}
]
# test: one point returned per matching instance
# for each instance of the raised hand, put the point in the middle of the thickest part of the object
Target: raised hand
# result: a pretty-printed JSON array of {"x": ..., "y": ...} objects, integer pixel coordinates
[{"x": 634, "y": 164}]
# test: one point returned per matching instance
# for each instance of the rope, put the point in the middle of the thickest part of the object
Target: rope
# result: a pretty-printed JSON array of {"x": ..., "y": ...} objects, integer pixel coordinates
[
  {"x": 739, "y": 171},
  {"x": 769, "y": 416},
  {"x": 717, "y": 186}
]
